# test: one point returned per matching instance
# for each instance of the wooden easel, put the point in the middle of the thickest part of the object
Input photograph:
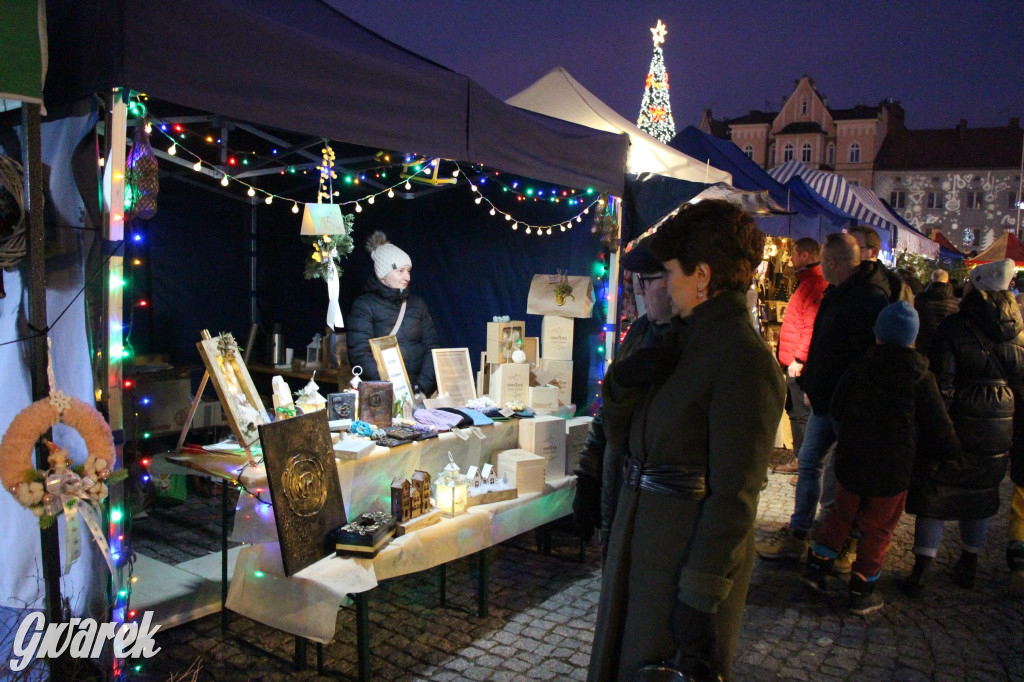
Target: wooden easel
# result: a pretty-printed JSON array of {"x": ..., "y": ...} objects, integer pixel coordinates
[{"x": 209, "y": 352}]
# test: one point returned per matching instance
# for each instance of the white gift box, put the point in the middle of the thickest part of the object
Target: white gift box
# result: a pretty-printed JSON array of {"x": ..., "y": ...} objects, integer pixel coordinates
[
  {"x": 559, "y": 373},
  {"x": 509, "y": 382},
  {"x": 543, "y": 399},
  {"x": 556, "y": 337},
  {"x": 523, "y": 470},
  {"x": 545, "y": 436},
  {"x": 576, "y": 431}
]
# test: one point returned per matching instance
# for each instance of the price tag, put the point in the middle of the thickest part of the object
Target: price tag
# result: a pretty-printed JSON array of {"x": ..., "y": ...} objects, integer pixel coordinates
[
  {"x": 461, "y": 434},
  {"x": 477, "y": 432},
  {"x": 506, "y": 413}
]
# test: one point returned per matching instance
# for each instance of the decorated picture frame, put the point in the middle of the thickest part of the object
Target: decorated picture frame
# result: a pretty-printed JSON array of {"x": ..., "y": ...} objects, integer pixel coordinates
[
  {"x": 454, "y": 374},
  {"x": 391, "y": 366}
]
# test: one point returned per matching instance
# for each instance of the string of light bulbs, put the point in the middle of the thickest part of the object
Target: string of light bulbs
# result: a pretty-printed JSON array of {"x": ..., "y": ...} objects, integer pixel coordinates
[
  {"x": 251, "y": 190},
  {"x": 357, "y": 204},
  {"x": 529, "y": 227}
]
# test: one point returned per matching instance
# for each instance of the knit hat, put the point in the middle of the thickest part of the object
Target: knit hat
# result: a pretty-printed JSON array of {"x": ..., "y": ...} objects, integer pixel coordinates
[
  {"x": 897, "y": 324},
  {"x": 994, "y": 276},
  {"x": 386, "y": 256}
]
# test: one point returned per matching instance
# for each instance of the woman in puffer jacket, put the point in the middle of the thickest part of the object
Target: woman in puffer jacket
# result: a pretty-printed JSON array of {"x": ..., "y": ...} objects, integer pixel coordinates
[
  {"x": 978, "y": 358},
  {"x": 376, "y": 313}
]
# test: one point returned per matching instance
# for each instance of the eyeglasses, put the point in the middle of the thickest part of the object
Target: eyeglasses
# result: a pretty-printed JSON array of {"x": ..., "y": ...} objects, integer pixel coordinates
[{"x": 645, "y": 280}]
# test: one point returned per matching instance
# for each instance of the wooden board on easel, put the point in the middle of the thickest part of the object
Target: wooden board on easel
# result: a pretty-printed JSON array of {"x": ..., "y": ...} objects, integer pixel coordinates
[{"x": 242, "y": 404}]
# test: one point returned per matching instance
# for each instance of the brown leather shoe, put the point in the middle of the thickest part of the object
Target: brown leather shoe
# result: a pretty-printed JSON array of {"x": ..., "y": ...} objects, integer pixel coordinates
[{"x": 788, "y": 468}]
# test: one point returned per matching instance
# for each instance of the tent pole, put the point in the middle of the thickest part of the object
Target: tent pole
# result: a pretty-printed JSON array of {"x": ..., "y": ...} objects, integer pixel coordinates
[
  {"x": 612, "y": 315},
  {"x": 112, "y": 352},
  {"x": 33, "y": 163}
]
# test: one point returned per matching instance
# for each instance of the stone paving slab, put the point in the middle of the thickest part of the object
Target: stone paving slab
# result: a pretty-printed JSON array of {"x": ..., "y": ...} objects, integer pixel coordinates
[{"x": 543, "y": 610}]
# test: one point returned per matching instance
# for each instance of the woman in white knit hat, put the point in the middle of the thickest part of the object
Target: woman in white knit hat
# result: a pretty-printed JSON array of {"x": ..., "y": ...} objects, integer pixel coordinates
[{"x": 388, "y": 309}]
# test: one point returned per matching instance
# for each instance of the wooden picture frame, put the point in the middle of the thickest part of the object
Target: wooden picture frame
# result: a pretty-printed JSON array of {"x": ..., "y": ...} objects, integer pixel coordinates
[
  {"x": 391, "y": 366},
  {"x": 238, "y": 396},
  {"x": 454, "y": 374}
]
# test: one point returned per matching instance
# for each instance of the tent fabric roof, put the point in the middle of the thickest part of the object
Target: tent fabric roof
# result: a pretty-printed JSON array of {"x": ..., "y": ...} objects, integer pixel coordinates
[
  {"x": 560, "y": 95},
  {"x": 1006, "y": 246},
  {"x": 860, "y": 202},
  {"x": 944, "y": 243},
  {"x": 304, "y": 66}
]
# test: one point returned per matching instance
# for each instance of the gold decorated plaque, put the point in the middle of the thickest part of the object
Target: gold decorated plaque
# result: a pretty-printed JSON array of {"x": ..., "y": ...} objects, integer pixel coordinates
[{"x": 304, "y": 487}]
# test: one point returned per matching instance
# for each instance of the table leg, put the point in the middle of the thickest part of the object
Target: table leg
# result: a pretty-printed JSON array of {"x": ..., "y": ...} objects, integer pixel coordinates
[
  {"x": 443, "y": 584},
  {"x": 545, "y": 534},
  {"x": 484, "y": 577},
  {"x": 319, "y": 658},
  {"x": 362, "y": 635},
  {"x": 224, "y": 556},
  {"x": 583, "y": 551},
  {"x": 300, "y": 653}
]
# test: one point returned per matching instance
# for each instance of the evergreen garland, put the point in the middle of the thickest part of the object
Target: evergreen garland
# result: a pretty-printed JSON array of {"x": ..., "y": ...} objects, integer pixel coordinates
[{"x": 328, "y": 250}]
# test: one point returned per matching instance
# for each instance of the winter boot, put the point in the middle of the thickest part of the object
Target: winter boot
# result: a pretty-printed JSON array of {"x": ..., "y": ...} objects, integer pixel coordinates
[
  {"x": 818, "y": 569},
  {"x": 913, "y": 586},
  {"x": 863, "y": 597},
  {"x": 1015, "y": 559},
  {"x": 847, "y": 555},
  {"x": 786, "y": 545},
  {"x": 965, "y": 569}
]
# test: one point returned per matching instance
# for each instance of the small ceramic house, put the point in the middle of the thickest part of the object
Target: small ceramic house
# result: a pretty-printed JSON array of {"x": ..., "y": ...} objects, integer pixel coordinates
[
  {"x": 475, "y": 479},
  {"x": 488, "y": 476},
  {"x": 421, "y": 482},
  {"x": 401, "y": 499}
]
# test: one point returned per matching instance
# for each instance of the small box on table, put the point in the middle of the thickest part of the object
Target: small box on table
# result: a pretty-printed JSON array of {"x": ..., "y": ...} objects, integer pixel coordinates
[
  {"x": 509, "y": 382},
  {"x": 545, "y": 436},
  {"x": 365, "y": 536},
  {"x": 559, "y": 373},
  {"x": 543, "y": 399},
  {"x": 523, "y": 470},
  {"x": 556, "y": 337},
  {"x": 576, "y": 431},
  {"x": 503, "y": 338}
]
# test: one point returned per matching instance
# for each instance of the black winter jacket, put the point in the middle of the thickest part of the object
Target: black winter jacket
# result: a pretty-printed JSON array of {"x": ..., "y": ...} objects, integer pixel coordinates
[
  {"x": 843, "y": 330},
  {"x": 890, "y": 413},
  {"x": 374, "y": 315},
  {"x": 978, "y": 357},
  {"x": 933, "y": 305}
]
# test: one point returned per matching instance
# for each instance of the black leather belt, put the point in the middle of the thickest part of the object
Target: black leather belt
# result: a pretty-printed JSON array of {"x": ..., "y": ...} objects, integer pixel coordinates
[{"x": 687, "y": 481}]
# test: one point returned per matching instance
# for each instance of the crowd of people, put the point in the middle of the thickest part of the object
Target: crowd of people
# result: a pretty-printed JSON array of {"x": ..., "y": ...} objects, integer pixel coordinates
[{"x": 901, "y": 398}]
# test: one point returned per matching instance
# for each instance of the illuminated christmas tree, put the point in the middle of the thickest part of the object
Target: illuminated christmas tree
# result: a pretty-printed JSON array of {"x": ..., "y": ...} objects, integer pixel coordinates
[{"x": 655, "y": 110}]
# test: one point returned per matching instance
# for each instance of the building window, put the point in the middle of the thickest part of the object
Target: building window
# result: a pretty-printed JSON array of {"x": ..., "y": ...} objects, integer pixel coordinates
[
  {"x": 973, "y": 199},
  {"x": 855, "y": 183},
  {"x": 803, "y": 107},
  {"x": 933, "y": 200},
  {"x": 970, "y": 236},
  {"x": 831, "y": 154},
  {"x": 898, "y": 198},
  {"x": 787, "y": 153},
  {"x": 805, "y": 153},
  {"x": 749, "y": 151},
  {"x": 855, "y": 152}
]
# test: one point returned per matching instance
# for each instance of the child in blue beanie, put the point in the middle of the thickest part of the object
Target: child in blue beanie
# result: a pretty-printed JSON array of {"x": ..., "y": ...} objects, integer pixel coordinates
[{"x": 891, "y": 419}]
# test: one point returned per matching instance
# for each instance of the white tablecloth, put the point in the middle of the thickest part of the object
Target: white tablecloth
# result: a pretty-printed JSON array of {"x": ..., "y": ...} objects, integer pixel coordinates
[{"x": 306, "y": 604}]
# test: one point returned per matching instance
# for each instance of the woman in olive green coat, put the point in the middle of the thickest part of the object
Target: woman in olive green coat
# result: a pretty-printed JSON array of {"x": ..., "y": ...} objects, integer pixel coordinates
[{"x": 698, "y": 418}]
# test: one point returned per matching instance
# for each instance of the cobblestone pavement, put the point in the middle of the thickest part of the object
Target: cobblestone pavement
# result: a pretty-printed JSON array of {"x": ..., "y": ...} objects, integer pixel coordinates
[{"x": 543, "y": 610}]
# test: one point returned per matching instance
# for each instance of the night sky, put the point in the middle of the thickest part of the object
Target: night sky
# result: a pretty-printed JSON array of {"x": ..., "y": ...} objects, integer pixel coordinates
[{"x": 942, "y": 60}]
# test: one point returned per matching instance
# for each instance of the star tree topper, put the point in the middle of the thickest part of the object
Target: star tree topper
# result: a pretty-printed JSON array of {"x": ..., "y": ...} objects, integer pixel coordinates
[{"x": 659, "y": 32}]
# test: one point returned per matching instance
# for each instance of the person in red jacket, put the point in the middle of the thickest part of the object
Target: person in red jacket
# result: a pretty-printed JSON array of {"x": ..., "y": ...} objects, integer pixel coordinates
[{"x": 795, "y": 335}]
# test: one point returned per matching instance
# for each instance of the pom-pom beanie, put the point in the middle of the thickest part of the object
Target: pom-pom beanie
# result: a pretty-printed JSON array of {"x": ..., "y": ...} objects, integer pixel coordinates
[{"x": 386, "y": 256}]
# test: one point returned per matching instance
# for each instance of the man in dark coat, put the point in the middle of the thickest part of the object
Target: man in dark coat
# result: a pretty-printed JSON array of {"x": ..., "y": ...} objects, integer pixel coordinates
[
  {"x": 870, "y": 246},
  {"x": 599, "y": 471},
  {"x": 842, "y": 333},
  {"x": 933, "y": 305},
  {"x": 978, "y": 358}
]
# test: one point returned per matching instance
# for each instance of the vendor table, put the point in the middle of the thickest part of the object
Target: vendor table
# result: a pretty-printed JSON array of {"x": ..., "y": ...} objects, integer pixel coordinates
[{"x": 259, "y": 588}]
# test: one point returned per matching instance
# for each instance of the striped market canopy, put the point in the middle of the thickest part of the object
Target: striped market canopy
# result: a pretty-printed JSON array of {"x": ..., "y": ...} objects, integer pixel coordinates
[{"x": 860, "y": 202}]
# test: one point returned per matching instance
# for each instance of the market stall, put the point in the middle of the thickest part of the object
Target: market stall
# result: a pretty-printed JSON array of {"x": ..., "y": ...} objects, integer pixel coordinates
[{"x": 388, "y": 99}]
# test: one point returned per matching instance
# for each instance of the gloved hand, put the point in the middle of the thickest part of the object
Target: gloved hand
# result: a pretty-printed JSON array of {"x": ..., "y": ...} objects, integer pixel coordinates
[
  {"x": 695, "y": 634},
  {"x": 586, "y": 506},
  {"x": 646, "y": 366}
]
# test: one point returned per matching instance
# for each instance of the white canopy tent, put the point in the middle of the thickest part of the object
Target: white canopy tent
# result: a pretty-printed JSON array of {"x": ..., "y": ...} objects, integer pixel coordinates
[{"x": 559, "y": 95}]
